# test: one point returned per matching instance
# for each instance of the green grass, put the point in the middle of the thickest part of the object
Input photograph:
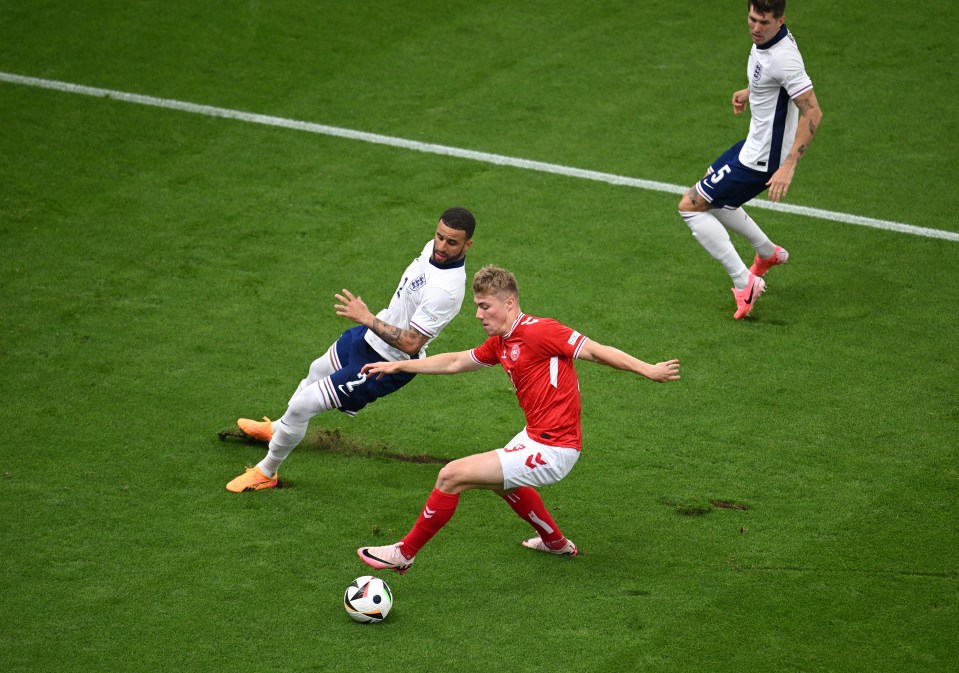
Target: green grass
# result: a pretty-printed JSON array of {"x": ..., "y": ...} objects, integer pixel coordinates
[{"x": 164, "y": 273}]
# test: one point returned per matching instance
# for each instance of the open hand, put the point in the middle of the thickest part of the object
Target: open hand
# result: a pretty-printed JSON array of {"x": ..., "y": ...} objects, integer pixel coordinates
[
  {"x": 779, "y": 183},
  {"x": 353, "y": 308}
]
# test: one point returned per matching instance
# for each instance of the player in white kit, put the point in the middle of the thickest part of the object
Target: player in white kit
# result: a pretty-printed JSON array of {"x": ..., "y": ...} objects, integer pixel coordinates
[
  {"x": 785, "y": 116},
  {"x": 429, "y": 295}
]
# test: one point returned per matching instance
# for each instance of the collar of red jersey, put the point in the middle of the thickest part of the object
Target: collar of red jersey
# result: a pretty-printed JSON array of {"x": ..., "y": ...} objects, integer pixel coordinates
[{"x": 515, "y": 323}]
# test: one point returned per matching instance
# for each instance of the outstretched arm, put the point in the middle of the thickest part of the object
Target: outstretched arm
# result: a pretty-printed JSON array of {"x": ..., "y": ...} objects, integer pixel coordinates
[
  {"x": 444, "y": 363},
  {"x": 410, "y": 341},
  {"x": 810, "y": 117},
  {"x": 660, "y": 372}
]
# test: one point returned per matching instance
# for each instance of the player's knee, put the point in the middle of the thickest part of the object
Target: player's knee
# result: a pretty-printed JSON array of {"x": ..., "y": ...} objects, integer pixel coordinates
[
  {"x": 303, "y": 406},
  {"x": 690, "y": 203},
  {"x": 450, "y": 477}
]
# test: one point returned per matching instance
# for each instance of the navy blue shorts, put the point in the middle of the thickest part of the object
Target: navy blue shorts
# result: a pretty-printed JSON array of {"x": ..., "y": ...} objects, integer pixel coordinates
[
  {"x": 352, "y": 389},
  {"x": 729, "y": 184}
]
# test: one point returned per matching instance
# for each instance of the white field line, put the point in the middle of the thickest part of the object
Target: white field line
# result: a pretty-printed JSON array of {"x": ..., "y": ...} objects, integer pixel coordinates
[{"x": 444, "y": 150}]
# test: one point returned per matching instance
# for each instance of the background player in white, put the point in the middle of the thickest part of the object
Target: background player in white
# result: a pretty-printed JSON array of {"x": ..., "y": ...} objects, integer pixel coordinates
[
  {"x": 429, "y": 295},
  {"x": 779, "y": 92},
  {"x": 537, "y": 354}
]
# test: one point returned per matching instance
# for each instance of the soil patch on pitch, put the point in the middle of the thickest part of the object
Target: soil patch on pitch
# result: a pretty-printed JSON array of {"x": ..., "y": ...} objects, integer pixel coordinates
[
  {"x": 726, "y": 504},
  {"x": 700, "y": 506},
  {"x": 333, "y": 441}
]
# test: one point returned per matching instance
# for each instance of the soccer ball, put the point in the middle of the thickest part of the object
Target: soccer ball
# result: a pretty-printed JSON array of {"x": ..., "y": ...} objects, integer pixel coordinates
[{"x": 368, "y": 600}]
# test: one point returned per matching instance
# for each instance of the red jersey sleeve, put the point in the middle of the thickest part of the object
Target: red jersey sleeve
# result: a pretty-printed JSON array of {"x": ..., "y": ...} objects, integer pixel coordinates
[
  {"x": 555, "y": 338},
  {"x": 487, "y": 353}
]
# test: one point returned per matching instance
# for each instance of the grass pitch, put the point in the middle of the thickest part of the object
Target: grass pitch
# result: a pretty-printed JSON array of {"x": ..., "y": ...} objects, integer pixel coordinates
[{"x": 790, "y": 505}]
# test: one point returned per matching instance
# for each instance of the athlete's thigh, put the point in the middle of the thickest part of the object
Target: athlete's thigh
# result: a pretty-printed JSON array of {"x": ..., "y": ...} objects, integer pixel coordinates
[
  {"x": 344, "y": 346},
  {"x": 481, "y": 470},
  {"x": 730, "y": 184},
  {"x": 526, "y": 462},
  {"x": 353, "y": 389}
]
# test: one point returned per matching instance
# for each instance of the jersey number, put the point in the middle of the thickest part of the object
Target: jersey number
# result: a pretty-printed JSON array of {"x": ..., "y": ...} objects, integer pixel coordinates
[{"x": 718, "y": 175}]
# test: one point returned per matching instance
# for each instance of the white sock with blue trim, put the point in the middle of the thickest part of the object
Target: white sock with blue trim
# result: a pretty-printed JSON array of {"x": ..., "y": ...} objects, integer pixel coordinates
[
  {"x": 740, "y": 222},
  {"x": 291, "y": 428},
  {"x": 712, "y": 235}
]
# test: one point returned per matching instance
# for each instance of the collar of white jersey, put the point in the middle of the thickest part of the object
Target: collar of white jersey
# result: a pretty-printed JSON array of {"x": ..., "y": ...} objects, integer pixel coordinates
[
  {"x": 452, "y": 265},
  {"x": 515, "y": 323},
  {"x": 780, "y": 36}
]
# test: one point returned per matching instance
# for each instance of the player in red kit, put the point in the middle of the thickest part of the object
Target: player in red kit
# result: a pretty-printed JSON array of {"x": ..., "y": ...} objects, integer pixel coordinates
[{"x": 537, "y": 354}]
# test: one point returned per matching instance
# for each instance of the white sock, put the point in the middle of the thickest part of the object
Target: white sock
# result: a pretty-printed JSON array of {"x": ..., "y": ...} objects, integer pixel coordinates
[
  {"x": 321, "y": 367},
  {"x": 740, "y": 222},
  {"x": 712, "y": 235},
  {"x": 291, "y": 428}
]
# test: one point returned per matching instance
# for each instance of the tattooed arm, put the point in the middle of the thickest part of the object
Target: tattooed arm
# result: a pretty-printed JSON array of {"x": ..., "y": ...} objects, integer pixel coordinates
[
  {"x": 410, "y": 341},
  {"x": 810, "y": 117}
]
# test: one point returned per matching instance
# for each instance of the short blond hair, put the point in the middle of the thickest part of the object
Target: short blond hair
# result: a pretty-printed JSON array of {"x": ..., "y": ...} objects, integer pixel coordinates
[{"x": 492, "y": 280}]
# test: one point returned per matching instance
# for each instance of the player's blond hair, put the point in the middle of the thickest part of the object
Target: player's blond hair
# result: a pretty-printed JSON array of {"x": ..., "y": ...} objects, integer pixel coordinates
[{"x": 492, "y": 280}]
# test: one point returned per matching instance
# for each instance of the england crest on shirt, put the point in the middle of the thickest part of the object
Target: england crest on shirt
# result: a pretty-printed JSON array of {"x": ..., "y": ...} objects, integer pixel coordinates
[
  {"x": 757, "y": 72},
  {"x": 418, "y": 282}
]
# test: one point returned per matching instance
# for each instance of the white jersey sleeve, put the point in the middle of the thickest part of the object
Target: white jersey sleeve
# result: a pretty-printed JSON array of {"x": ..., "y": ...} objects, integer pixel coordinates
[
  {"x": 438, "y": 306},
  {"x": 792, "y": 73}
]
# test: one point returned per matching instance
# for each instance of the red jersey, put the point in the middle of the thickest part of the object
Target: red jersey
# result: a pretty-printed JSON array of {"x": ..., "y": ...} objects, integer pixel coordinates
[{"x": 538, "y": 354}]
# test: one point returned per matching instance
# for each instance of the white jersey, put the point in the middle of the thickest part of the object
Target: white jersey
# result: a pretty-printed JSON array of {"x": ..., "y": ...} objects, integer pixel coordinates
[
  {"x": 776, "y": 76},
  {"x": 428, "y": 298}
]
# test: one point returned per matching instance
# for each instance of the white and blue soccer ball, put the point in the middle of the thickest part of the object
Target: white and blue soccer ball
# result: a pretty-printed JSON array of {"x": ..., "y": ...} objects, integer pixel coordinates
[{"x": 368, "y": 600}]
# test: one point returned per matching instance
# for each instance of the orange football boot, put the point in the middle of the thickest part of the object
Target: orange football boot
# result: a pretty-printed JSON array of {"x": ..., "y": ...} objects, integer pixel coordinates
[
  {"x": 259, "y": 430},
  {"x": 252, "y": 480}
]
